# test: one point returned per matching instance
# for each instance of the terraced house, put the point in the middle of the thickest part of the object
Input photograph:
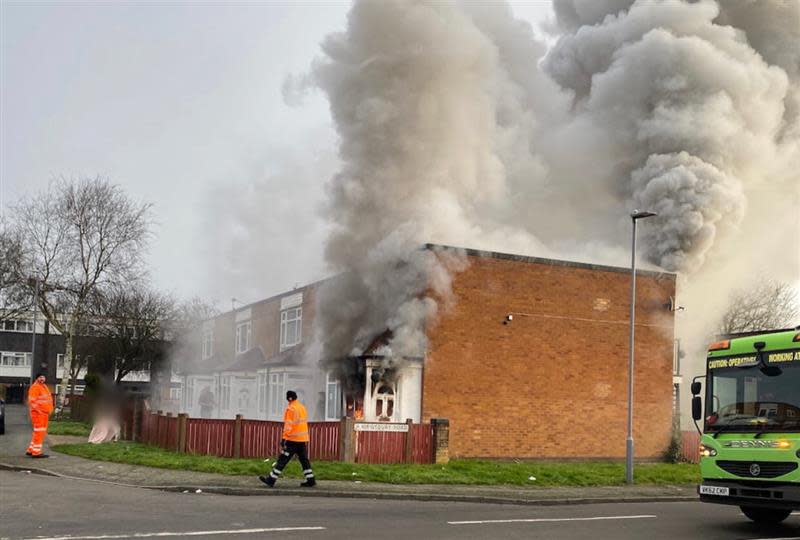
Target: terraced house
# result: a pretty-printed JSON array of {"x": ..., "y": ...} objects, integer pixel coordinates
[{"x": 535, "y": 348}]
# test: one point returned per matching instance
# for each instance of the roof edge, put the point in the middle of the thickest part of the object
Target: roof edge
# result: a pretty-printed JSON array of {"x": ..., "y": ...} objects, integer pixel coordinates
[{"x": 551, "y": 262}]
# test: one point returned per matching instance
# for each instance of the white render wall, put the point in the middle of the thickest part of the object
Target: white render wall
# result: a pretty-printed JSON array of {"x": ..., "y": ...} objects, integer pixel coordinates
[
  {"x": 410, "y": 388},
  {"x": 244, "y": 393},
  {"x": 408, "y": 392}
]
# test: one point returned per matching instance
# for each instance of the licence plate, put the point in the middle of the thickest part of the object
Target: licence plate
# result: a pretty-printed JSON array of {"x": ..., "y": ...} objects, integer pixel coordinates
[{"x": 714, "y": 490}]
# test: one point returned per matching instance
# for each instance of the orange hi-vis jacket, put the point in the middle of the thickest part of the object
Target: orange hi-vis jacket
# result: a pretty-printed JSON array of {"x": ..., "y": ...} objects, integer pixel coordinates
[
  {"x": 295, "y": 422},
  {"x": 39, "y": 399}
]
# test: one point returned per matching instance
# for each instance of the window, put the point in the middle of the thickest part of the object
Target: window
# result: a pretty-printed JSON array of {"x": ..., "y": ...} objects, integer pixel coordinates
[
  {"x": 262, "y": 393},
  {"x": 243, "y": 336},
  {"x": 333, "y": 398},
  {"x": 208, "y": 343},
  {"x": 76, "y": 360},
  {"x": 291, "y": 327},
  {"x": 189, "y": 392},
  {"x": 751, "y": 399},
  {"x": 175, "y": 394},
  {"x": 15, "y": 359},
  {"x": 225, "y": 395},
  {"x": 277, "y": 385},
  {"x": 18, "y": 326}
]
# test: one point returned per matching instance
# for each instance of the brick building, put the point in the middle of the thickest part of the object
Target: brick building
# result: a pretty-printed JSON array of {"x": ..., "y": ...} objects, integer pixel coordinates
[
  {"x": 529, "y": 362},
  {"x": 552, "y": 381},
  {"x": 249, "y": 357}
]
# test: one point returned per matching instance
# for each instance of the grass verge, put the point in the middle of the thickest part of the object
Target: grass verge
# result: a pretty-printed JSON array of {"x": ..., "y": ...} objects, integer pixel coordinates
[
  {"x": 69, "y": 427},
  {"x": 473, "y": 472}
]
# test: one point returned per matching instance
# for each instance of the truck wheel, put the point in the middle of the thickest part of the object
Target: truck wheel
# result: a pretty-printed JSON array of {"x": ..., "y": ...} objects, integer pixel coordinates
[{"x": 766, "y": 516}]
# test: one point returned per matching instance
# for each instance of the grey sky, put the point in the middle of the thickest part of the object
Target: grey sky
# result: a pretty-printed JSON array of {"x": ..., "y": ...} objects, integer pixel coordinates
[{"x": 181, "y": 104}]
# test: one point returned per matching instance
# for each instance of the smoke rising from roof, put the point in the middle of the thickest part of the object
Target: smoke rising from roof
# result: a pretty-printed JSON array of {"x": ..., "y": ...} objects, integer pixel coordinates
[
  {"x": 458, "y": 127},
  {"x": 410, "y": 86}
]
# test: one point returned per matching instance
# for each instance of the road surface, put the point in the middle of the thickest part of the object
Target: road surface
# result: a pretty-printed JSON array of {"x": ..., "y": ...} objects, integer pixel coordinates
[{"x": 44, "y": 507}]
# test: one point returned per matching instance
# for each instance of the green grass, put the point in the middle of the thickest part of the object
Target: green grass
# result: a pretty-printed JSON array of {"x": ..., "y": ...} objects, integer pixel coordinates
[
  {"x": 69, "y": 427},
  {"x": 474, "y": 472}
]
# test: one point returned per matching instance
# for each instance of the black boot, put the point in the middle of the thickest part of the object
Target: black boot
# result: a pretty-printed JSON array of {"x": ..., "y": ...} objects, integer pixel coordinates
[
  {"x": 270, "y": 481},
  {"x": 310, "y": 482}
]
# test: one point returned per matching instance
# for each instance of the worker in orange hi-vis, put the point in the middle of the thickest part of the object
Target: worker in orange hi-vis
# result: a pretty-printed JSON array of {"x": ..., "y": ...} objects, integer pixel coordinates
[
  {"x": 40, "y": 404},
  {"x": 294, "y": 442}
]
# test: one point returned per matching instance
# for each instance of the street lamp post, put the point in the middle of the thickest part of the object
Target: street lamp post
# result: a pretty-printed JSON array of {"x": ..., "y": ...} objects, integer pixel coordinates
[
  {"x": 33, "y": 339},
  {"x": 635, "y": 215}
]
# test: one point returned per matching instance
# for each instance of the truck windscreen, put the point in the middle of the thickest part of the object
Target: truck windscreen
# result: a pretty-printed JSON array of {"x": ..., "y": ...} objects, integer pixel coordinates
[{"x": 743, "y": 396}]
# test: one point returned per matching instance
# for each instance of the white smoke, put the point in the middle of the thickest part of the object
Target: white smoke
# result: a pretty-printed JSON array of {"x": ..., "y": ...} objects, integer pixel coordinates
[{"x": 458, "y": 127}]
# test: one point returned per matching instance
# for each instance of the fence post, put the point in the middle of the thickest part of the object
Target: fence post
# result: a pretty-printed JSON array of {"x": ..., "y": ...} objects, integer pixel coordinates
[
  {"x": 182, "y": 432},
  {"x": 152, "y": 432},
  {"x": 441, "y": 440},
  {"x": 409, "y": 453},
  {"x": 237, "y": 436},
  {"x": 166, "y": 446},
  {"x": 136, "y": 423},
  {"x": 347, "y": 439}
]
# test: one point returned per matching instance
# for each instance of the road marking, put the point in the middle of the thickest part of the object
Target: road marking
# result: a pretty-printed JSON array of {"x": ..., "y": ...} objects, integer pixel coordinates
[
  {"x": 546, "y": 520},
  {"x": 185, "y": 533}
]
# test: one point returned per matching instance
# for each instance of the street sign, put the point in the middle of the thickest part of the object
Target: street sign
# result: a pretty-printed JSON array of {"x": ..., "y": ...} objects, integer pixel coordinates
[{"x": 364, "y": 426}]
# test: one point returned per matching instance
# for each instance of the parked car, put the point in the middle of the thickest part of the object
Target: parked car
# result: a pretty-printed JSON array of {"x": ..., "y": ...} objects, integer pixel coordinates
[{"x": 2, "y": 416}]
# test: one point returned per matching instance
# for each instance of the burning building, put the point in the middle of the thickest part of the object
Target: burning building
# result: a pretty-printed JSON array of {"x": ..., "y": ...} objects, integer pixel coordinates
[{"x": 527, "y": 358}]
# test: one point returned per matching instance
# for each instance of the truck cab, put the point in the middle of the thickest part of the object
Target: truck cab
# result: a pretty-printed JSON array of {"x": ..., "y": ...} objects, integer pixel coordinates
[{"x": 750, "y": 444}]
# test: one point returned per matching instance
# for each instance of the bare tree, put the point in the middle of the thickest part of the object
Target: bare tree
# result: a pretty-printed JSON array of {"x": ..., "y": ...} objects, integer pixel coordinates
[
  {"x": 187, "y": 331},
  {"x": 15, "y": 297},
  {"x": 79, "y": 236},
  {"x": 767, "y": 306},
  {"x": 129, "y": 328}
]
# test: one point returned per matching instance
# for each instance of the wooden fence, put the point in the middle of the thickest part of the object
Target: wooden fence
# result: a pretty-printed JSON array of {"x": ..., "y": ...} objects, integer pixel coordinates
[
  {"x": 382, "y": 447},
  {"x": 690, "y": 446},
  {"x": 242, "y": 438},
  {"x": 207, "y": 437}
]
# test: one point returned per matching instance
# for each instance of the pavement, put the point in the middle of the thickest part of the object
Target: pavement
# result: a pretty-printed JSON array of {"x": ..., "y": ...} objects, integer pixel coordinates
[{"x": 18, "y": 431}]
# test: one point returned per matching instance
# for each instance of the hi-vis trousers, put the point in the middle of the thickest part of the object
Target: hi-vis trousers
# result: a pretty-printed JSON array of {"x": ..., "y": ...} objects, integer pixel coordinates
[
  {"x": 39, "y": 421},
  {"x": 292, "y": 448}
]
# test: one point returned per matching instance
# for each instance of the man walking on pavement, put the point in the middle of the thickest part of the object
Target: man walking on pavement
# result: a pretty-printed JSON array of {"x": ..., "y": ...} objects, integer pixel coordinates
[
  {"x": 40, "y": 405},
  {"x": 295, "y": 441}
]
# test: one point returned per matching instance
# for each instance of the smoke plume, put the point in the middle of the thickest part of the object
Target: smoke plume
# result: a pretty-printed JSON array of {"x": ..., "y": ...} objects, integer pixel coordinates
[
  {"x": 691, "y": 109},
  {"x": 411, "y": 90},
  {"x": 457, "y": 126}
]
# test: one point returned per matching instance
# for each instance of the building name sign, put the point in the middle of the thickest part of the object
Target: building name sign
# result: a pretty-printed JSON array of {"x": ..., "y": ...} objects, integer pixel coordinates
[{"x": 397, "y": 428}]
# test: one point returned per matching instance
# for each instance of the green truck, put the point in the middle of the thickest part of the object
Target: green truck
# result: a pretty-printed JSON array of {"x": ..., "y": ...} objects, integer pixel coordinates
[{"x": 750, "y": 444}]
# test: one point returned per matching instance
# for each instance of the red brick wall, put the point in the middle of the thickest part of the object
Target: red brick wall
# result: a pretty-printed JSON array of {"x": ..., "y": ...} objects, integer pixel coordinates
[
  {"x": 552, "y": 383},
  {"x": 224, "y": 335},
  {"x": 265, "y": 318}
]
